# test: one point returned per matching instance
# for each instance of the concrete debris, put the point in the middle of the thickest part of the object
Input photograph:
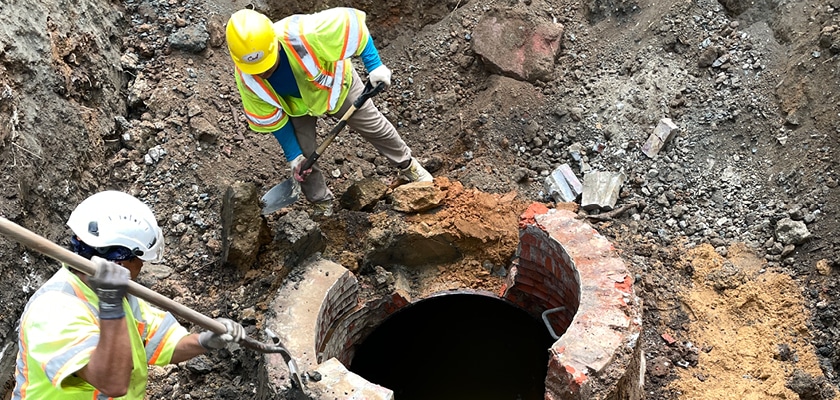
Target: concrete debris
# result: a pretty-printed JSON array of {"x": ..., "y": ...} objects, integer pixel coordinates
[
  {"x": 562, "y": 185},
  {"x": 600, "y": 190},
  {"x": 660, "y": 136},
  {"x": 339, "y": 383}
]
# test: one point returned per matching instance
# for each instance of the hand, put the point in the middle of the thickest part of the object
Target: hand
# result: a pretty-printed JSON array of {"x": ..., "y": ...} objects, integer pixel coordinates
[
  {"x": 211, "y": 340},
  {"x": 380, "y": 74},
  {"x": 296, "y": 165},
  {"x": 110, "y": 284}
]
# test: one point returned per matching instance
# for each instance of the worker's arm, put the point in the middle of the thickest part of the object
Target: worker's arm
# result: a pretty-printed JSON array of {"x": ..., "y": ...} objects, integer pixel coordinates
[
  {"x": 187, "y": 348},
  {"x": 198, "y": 343},
  {"x": 109, "y": 368},
  {"x": 377, "y": 71},
  {"x": 370, "y": 56},
  {"x": 288, "y": 141}
]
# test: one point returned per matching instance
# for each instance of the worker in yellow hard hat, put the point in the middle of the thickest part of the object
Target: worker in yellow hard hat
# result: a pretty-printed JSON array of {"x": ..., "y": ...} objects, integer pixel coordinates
[
  {"x": 298, "y": 69},
  {"x": 85, "y": 337}
]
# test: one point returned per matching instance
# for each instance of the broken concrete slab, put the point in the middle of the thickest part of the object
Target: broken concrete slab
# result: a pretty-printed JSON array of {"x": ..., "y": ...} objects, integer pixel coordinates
[
  {"x": 295, "y": 316},
  {"x": 601, "y": 190},
  {"x": 660, "y": 136},
  {"x": 336, "y": 382},
  {"x": 562, "y": 185}
]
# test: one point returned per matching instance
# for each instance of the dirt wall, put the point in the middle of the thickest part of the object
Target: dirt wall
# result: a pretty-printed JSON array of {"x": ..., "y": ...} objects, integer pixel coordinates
[{"x": 60, "y": 89}]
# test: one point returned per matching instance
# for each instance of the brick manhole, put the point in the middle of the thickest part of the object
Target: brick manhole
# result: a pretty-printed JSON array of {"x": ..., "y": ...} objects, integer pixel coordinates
[{"x": 567, "y": 293}]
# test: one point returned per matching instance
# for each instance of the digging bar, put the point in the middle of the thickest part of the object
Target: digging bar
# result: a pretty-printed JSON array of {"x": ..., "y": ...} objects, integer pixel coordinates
[
  {"x": 81, "y": 264},
  {"x": 287, "y": 192}
]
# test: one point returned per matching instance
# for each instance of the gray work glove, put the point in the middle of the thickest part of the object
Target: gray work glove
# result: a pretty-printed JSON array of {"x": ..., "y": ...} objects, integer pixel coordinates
[
  {"x": 211, "y": 340},
  {"x": 110, "y": 284}
]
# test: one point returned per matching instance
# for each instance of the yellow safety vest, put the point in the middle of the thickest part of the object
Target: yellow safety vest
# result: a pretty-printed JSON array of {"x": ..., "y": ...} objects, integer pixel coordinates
[
  {"x": 319, "y": 47},
  {"x": 59, "y": 330}
]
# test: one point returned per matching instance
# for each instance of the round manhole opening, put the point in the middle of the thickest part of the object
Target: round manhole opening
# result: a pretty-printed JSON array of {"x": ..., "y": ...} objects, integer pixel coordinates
[{"x": 457, "y": 346}]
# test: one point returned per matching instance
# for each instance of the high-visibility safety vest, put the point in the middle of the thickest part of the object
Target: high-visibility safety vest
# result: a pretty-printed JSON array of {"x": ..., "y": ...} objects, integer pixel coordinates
[
  {"x": 59, "y": 330},
  {"x": 319, "y": 47}
]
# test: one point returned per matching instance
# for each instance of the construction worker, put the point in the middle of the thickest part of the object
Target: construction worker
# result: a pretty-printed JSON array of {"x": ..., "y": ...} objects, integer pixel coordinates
[
  {"x": 83, "y": 337},
  {"x": 298, "y": 69}
]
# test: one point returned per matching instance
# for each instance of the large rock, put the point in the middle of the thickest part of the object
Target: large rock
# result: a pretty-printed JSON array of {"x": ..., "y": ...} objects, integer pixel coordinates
[
  {"x": 243, "y": 228},
  {"x": 520, "y": 49},
  {"x": 363, "y": 195}
]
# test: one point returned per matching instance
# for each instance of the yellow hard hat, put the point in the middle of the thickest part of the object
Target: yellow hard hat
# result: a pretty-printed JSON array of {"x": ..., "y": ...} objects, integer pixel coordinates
[{"x": 251, "y": 41}]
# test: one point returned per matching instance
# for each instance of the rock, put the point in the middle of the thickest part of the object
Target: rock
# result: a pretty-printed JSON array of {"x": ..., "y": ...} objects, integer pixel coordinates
[
  {"x": 789, "y": 231},
  {"x": 243, "y": 228},
  {"x": 416, "y": 197},
  {"x": 363, "y": 195},
  {"x": 823, "y": 267},
  {"x": 728, "y": 276},
  {"x": 298, "y": 237},
  {"x": 522, "y": 49},
  {"x": 600, "y": 190},
  {"x": 204, "y": 130},
  {"x": 192, "y": 39}
]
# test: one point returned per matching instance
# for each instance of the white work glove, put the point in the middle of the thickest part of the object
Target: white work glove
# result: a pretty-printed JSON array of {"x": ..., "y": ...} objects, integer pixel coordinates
[
  {"x": 296, "y": 165},
  {"x": 380, "y": 74},
  {"x": 211, "y": 340}
]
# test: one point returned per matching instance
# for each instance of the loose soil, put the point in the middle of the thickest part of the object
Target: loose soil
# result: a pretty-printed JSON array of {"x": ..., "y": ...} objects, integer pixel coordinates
[{"x": 139, "y": 96}]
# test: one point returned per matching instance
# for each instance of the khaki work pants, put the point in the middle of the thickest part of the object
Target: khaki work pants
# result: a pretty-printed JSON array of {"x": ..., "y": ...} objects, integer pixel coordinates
[{"x": 367, "y": 121}]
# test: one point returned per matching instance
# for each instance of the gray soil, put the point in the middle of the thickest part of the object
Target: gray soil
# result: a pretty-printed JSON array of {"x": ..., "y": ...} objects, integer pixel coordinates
[{"x": 139, "y": 96}]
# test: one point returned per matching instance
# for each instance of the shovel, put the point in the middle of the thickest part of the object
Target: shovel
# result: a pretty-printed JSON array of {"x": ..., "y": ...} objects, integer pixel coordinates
[
  {"x": 81, "y": 264},
  {"x": 288, "y": 191}
]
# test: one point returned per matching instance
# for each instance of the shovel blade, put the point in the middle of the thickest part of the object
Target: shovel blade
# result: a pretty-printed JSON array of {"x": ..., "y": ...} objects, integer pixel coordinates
[{"x": 281, "y": 195}]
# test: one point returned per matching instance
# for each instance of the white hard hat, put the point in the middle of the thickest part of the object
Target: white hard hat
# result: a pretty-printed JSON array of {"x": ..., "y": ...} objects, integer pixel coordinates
[{"x": 113, "y": 218}]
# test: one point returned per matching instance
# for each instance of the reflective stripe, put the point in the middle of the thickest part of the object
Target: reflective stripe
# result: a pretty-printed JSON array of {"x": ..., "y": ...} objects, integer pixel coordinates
[
  {"x": 270, "y": 120},
  {"x": 335, "y": 92},
  {"x": 21, "y": 369},
  {"x": 259, "y": 89},
  {"x": 158, "y": 337},
  {"x": 353, "y": 36},
  {"x": 303, "y": 54},
  {"x": 57, "y": 364}
]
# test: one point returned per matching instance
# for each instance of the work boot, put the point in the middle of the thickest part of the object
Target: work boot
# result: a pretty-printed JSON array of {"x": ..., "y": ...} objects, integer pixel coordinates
[
  {"x": 415, "y": 172},
  {"x": 323, "y": 208}
]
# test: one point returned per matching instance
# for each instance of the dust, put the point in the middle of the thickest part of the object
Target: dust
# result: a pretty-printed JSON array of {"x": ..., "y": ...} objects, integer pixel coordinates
[{"x": 753, "y": 337}]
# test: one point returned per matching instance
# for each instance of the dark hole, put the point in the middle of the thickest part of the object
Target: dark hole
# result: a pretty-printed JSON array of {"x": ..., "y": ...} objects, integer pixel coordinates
[{"x": 458, "y": 346}]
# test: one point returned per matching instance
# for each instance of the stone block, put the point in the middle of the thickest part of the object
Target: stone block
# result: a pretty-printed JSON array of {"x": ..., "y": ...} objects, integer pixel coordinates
[
  {"x": 562, "y": 185},
  {"x": 660, "y": 136},
  {"x": 601, "y": 190}
]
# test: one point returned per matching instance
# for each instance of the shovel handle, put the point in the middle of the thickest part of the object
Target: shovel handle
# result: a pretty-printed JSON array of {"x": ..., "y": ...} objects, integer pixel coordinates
[
  {"x": 368, "y": 92},
  {"x": 81, "y": 264}
]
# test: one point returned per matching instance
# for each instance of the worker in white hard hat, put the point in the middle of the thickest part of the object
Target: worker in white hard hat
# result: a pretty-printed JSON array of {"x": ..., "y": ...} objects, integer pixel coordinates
[
  {"x": 293, "y": 71},
  {"x": 84, "y": 337}
]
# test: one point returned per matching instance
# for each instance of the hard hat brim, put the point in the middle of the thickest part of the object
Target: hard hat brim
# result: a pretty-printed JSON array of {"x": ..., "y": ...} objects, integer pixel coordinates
[{"x": 263, "y": 65}]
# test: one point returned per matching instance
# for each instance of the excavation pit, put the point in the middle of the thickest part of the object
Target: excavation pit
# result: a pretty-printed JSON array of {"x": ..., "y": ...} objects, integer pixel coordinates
[{"x": 568, "y": 299}]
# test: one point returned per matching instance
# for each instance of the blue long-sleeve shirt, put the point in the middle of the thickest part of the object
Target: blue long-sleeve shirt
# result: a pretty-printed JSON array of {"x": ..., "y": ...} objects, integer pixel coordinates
[{"x": 283, "y": 82}]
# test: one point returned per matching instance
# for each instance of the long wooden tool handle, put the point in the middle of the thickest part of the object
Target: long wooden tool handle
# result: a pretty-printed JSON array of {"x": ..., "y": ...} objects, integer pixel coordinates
[
  {"x": 368, "y": 92},
  {"x": 50, "y": 249}
]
